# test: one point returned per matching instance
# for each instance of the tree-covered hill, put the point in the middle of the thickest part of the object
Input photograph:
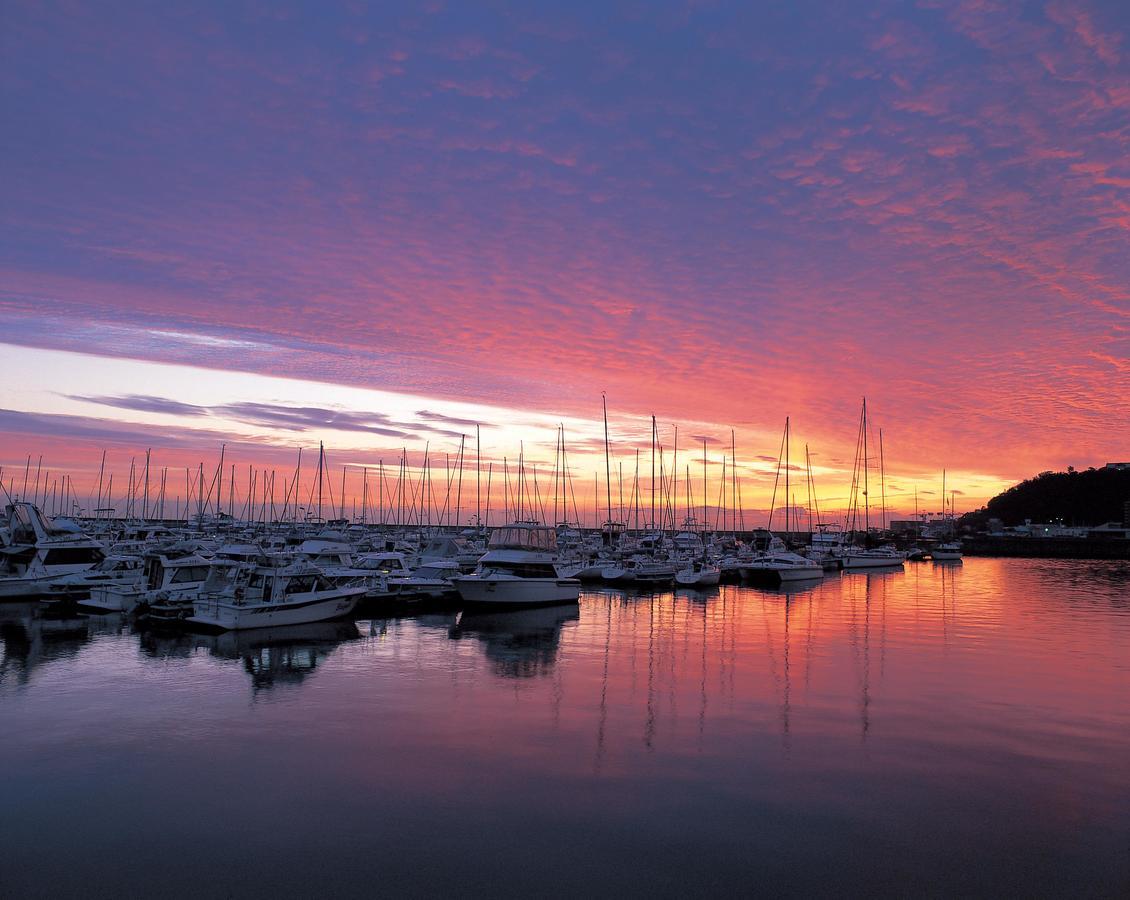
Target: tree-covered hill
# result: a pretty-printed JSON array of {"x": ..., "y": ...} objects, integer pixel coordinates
[{"x": 1091, "y": 497}]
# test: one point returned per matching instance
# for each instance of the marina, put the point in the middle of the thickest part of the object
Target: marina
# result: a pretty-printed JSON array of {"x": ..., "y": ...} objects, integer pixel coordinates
[
  {"x": 947, "y": 728},
  {"x": 565, "y": 450}
]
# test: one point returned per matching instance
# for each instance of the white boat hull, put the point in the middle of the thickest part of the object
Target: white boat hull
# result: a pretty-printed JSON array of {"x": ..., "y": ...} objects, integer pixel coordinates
[
  {"x": 112, "y": 598},
  {"x": 871, "y": 562},
  {"x": 783, "y": 573},
  {"x": 698, "y": 579},
  {"x": 16, "y": 587},
  {"x": 501, "y": 591},
  {"x": 230, "y": 616}
]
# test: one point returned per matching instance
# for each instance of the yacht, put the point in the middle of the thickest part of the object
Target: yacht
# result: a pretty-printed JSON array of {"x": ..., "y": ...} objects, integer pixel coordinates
[
  {"x": 269, "y": 595},
  {"x": 35, "y": 552},
  {"x": 879, "y": 557},
  {"x": 782, "y": 566},
  {"x": 698, "y": 574},
  {"x": 431, "y": 581},
  {"x": 166, "y": 576},
  {"x": 116, "y": 570},
  {"x": 947, "y": 552},
  {"x": 519, "y": 568}
]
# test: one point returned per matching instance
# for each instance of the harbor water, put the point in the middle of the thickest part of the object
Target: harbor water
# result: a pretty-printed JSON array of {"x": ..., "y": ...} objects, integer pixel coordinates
[{"x": 944, "y": 728}]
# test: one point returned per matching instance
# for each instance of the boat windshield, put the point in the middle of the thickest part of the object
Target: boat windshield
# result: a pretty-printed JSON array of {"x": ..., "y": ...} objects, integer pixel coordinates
[{"x": 523, "y": 537}]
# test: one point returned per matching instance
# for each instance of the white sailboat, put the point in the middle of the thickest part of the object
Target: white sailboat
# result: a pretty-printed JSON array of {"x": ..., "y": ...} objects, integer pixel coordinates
[{"x": 862, "y": 557}]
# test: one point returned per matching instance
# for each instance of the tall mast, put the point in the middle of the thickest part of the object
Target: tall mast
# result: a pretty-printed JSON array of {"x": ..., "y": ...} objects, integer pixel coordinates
[
  {"x": 220, "y": 484},
  {"x": 490, "y": 472},
  {"x": 607, "y": 459},
  {"x": 808, "y": 485},
  {"x": 478, "y": 480},
  {"x": 145, "y": 502},
  {"x": 787, "y": 475},
  {"x": 943, "y": 497},
  {"x": 734, "y": 479},
  {"x": 866, "y": 500},
  {"x": 459, "y": 489},
  {"x": 882, "y": 479},
  {"x": 704, "y": 492},
  {"x": 674, "y": 477},
  {"x": 101, "y": 470},
  {"x": 653, "y": 437},
  {"x": 321, "y": 458}
]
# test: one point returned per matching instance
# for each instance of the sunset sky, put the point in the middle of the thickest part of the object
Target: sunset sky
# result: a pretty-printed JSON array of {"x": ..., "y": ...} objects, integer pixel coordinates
[{"x": 375, "y": 224}]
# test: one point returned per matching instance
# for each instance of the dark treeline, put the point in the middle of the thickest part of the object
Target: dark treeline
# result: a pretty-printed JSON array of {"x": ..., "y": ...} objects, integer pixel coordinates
[{"x": 1089, "y": 497}]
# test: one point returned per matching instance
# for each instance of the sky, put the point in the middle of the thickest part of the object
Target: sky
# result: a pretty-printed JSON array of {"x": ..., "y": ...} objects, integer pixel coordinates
[{"x": 376, "y": 224}]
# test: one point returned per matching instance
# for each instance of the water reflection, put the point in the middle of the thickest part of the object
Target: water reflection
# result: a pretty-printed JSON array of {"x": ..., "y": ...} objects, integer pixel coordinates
[
  {"x": 861, "y": 733},
  {"x": 272, "y": 657},
  {"x": 519, "y": 643},
  {"x": 31, "y": 639}
]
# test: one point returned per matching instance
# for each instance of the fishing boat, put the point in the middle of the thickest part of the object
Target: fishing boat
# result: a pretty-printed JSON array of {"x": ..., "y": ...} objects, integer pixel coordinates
[
  {"x": 949, "y": 551},
  {"x": 268, "y": 595},
  {"x": 520, "y": 568}
]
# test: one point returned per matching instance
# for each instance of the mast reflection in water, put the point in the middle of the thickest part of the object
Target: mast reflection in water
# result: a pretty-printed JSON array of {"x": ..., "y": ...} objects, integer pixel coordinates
[{"x": 946, "y": 729}]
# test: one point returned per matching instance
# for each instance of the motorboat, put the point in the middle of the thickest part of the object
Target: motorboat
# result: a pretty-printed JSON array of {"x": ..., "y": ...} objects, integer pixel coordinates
[
  {"x": 431, "y": 581},
  {"x": 167, "y": 577},
  {"x": 268, "y": 595},
  {"x": 949, "y": 551},
  {"x": 35, "y": 552},
  {"x": 116, "y": 570},
  {"x": 698, "y": 574},
  {"x": 519, "y": 568},
  {"x": 782, "y": 565},
  {"x": 876, "y": 558}
]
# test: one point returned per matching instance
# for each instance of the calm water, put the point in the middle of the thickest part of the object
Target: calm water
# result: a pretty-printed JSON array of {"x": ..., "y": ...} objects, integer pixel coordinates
[{"x": 944, "y": 729}]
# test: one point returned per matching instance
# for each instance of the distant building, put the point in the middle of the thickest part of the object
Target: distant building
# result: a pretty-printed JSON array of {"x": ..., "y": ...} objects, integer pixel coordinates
[{"x": 1118, "y": 467}]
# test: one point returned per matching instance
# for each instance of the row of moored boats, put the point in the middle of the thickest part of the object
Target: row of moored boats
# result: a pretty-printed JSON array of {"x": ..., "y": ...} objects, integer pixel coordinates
[{"x": 223, "y": 576}]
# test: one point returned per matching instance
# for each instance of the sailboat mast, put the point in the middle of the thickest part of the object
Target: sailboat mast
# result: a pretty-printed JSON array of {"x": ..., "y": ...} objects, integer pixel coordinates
[
  {"x": 866, "y": 500},
  {"x": 607, "y": 459},
  {"x": 786, "y": 475},
  {"x": 459, "y": 487},
  {"x": 882, "y": 479},
  {"x": 321, "y": 458},
  {"x": 653, "y": 439},
  {"x": 704, "y": 492},
  {"x": 734, "y": 481}
]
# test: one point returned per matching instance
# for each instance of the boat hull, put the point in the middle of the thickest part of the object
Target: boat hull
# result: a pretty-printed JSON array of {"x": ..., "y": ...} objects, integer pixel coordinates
[
  {"x": 698, "y": 579},
  {"x": 871, "y": 562},
  {"x": 238, "y": 617},
  {"x": 493, "y": 591},
  {"x": 17, "y": 588},
  {"x": 112, "y": 599},
  {"x": 783, "y": 573}
]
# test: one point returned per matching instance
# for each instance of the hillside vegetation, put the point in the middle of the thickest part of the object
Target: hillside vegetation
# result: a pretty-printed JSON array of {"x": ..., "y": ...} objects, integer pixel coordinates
[{"x": 1090, "y": 497}]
